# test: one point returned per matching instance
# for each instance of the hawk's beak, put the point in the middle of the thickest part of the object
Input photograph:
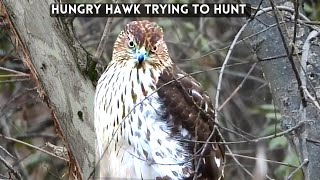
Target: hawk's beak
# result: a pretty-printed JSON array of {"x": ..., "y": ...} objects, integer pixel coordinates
[{"x": 142, "y": 55}]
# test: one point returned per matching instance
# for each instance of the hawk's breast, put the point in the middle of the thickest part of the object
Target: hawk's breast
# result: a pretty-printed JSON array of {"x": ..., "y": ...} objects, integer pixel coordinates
[{"x": 135, "y": 127}]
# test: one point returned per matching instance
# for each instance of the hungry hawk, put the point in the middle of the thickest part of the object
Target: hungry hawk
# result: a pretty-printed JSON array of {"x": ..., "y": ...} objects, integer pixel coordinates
[{"x": 150, "y": 116}]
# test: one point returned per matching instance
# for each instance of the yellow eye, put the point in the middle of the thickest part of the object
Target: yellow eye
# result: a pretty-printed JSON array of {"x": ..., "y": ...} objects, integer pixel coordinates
[{"x": 131, "y": 44}]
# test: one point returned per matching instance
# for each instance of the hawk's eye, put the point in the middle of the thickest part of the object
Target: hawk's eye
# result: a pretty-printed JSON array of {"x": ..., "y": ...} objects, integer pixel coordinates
[
  {"x": 131, "y": 44},
  {"x": 154, "y": 49}
]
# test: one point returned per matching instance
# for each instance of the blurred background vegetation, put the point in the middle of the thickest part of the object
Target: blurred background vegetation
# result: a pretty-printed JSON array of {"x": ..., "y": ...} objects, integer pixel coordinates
[{"x": 195, "y": 44}]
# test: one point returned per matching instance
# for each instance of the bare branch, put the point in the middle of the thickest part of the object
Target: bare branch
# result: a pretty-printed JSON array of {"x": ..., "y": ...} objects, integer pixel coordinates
[
  {"x": 8, "y": 165},
  {"x": 267, "y": 160},
  {"x": 238, "y": 87},
  {"x": 104, "y": 38},
  {"x": 313, "y": 99},
  {"x": 233, "y": 156},
  {"x": 13, "y": 71},
  {"x": 32, "y": 146},
  {"x": 4, "y": 150}
]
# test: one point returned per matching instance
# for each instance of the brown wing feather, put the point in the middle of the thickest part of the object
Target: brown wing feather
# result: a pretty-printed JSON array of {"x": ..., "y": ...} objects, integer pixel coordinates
[{"x": 191, "y": 108}]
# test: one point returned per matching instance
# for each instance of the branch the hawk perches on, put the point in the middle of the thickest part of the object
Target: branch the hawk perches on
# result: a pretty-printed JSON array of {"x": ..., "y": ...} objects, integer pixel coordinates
[{"x": 149, "y": 113}]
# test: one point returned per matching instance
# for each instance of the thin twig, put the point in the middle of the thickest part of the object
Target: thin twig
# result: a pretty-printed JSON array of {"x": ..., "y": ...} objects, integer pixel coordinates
[
  {"x": 305, "y": 162},
  {"x": 242, "y": 75},
  {"x": 4, "y": 177},
  {"x": 13, "y": 171},
  {"x": 4, "y": 108},
  {"x": 6, "y": 131},
  {"x": 233, "y": 131},
  {"x": 4, "y": 150},
  {"x": 202, "y": 153},
  {"x": 311, "y": 22},
  {"x": 233, "y": 156},
  {"x": 37, "y": 135},
  {"x": 313, "y": 99},
  {"x": 104, "y": 38},
  {"x": 257, "y": 140},
  {"x": 313, "y": 140},
  {"x": 14, "y": 75},
  {"x": 266, "y": 160},
  {"x": 14, "y": 80},
  {"x": 32, "y": 146},
  {"x": 13, "y": 71},
  {"x": 296, "y": 15},
  {"x": 237, "y": 64},
  {"x": 238, "y": 87},
  {"x": 282, "y": 133}
]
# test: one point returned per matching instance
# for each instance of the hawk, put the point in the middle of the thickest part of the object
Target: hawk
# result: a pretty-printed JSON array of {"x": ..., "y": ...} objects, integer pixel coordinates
[{"x": 152, "y": 119}]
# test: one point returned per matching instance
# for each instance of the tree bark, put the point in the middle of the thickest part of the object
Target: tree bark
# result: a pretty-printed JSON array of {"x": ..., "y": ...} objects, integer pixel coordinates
[
  {"x": 48, "y": 47},
  {"x": 284, "y": 87}
]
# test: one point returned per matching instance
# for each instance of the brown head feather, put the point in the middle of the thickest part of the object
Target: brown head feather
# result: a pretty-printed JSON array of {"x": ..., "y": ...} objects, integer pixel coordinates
[{"x": 145, "y": 33}]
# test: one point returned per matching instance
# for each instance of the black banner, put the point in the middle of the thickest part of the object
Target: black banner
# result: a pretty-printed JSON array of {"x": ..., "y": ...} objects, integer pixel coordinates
[{"x": 149, "y": 10}]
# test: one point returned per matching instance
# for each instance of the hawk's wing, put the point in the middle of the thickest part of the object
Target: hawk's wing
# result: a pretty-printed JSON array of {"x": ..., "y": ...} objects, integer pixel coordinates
[{"x": 190, "y": 108}]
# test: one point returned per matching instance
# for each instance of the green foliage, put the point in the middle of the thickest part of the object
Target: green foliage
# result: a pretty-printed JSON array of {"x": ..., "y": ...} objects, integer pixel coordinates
[
  {"x": 283, "y": 171},
  {"x": 270, "y": 129},
  {"x": 278, "y": 142},
  {"x": 307, "y": 8},
  {"x": 269, "y": 111},
  {"x": 313, "y": 11}
]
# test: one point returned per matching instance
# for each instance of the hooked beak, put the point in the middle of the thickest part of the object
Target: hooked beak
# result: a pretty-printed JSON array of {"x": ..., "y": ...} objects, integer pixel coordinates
[{"x": 142, "y": 55}]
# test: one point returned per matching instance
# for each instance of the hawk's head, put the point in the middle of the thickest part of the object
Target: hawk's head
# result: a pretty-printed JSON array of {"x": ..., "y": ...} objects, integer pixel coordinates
[{"x": 140, "y": 43}]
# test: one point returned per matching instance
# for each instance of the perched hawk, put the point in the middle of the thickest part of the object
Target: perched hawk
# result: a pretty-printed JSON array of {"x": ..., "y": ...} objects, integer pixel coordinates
[{"x": 150, "y": 115}]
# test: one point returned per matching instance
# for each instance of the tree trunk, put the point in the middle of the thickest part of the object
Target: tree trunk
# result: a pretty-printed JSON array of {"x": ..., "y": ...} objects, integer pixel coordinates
[
  {"x": 284, "y": 87},
  {"x": 48, "y": 47}
]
